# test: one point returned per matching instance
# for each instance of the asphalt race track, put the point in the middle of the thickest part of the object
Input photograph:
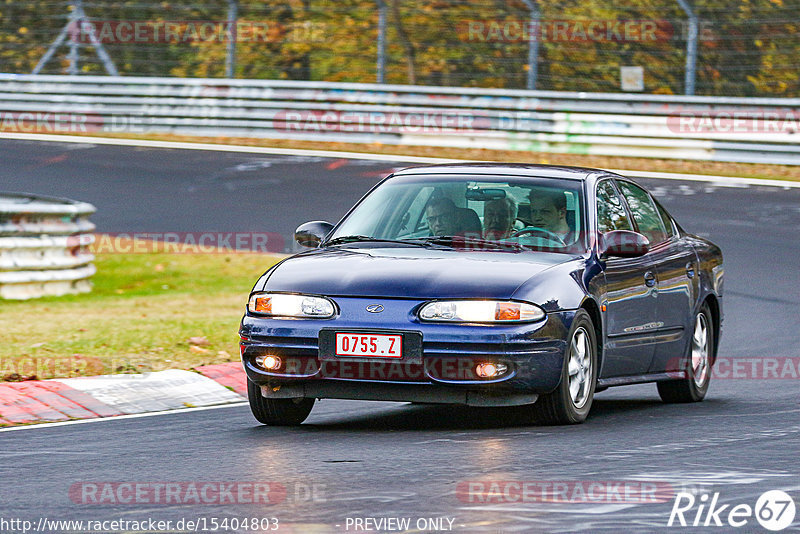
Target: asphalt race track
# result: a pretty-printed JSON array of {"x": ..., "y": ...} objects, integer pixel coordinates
[{"x": 356, "y": 460}]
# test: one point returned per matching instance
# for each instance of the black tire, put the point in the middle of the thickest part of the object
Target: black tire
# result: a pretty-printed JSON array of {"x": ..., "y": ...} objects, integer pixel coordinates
[
  {"x": 561, "y": 407},
  {"x": 694, "y": 386},
  {"x": 277, "y": 412}
]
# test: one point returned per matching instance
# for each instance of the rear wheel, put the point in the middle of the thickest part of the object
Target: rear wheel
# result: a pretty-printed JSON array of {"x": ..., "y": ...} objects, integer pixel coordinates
[
  {"x": 277, "y": 412},
  {"x": 571, "y": 401},
  {"x": 697, "y": 363}
]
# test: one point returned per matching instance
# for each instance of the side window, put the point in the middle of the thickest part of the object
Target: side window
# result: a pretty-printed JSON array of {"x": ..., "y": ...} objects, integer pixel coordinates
[
  {"x": 611, "y": 213},
  {"x": 669, "y": 224},
  {"x": 644, "y": 212}
]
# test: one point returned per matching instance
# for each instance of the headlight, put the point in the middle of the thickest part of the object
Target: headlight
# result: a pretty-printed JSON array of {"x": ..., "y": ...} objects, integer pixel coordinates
[
  {"x": 282, "y": 305},
  {"x": 480, "y": 311}
]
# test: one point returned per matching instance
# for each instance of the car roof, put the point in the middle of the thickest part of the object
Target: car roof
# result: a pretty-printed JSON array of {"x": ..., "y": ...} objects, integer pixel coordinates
[{"x": 507, "y": 169}]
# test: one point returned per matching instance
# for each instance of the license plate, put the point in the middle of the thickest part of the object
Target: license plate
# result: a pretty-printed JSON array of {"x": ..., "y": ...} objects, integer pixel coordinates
[{"x": 370, "y": 345}]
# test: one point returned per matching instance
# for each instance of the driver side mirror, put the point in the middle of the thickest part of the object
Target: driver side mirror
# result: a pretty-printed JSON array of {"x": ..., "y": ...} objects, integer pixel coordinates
[
  {"x": 310, "y": 234},
  {"x": 623, "y": 244}
]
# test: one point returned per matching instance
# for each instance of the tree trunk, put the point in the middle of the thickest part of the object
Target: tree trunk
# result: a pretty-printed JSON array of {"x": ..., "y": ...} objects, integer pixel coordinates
[{"x": 406, "y": 41}]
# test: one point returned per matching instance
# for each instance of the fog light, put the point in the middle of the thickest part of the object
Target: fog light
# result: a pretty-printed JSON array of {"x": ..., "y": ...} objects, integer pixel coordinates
[
  {"x": 268, "y": 362},
  {"x": 490, "y": 370}
]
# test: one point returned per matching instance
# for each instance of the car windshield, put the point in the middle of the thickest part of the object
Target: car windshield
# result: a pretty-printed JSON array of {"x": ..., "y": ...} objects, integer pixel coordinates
[{"x": 488, "y": 212}]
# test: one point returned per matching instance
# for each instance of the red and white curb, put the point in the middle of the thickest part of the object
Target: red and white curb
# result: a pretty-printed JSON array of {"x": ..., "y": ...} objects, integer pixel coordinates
[{"x": 39, "y": 401}]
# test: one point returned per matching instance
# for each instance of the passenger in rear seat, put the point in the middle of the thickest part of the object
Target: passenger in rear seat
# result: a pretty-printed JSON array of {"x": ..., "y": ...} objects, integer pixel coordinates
[{"x": 498, "y": 218}]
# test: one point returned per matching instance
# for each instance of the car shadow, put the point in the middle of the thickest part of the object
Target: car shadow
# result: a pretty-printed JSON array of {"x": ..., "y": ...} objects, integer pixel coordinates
[
  {"x": 608, "y": 407},
  {"x": 453, "y": 417},
  {"x": 421, "y": 417}
]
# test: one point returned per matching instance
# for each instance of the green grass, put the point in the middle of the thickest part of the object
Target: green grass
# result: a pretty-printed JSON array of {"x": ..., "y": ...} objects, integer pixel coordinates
[{"x": 139, "y": 317}]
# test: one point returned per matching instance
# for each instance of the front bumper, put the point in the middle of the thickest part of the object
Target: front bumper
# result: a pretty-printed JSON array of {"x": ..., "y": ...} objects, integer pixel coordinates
[
  {"x": 387, "y": 391},
  {"x": 532, "y": 352}
]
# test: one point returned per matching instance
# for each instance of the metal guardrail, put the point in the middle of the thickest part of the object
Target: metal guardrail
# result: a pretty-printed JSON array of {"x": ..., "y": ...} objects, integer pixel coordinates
[
  {"x": 756, "y": 130},
  {"x": 44, "y": 246}
]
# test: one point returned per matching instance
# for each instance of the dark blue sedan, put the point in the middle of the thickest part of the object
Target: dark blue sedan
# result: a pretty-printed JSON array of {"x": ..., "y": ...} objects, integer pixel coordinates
[{"x": 523, "y": 286}]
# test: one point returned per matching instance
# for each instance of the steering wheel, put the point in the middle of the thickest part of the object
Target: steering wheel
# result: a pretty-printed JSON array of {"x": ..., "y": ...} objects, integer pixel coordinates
[{"x": 547, "y": 234}]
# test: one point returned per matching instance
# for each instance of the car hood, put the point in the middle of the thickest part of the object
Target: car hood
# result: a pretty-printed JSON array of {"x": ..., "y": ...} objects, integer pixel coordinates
[{"x": 415, "y": 273}]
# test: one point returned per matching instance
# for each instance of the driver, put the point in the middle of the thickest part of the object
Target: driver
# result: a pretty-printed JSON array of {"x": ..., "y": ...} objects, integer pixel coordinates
[
  {"x": 549, "y": 212},
  {"x": 441, "y": 216},
  {"x": 498, "y": 218}
]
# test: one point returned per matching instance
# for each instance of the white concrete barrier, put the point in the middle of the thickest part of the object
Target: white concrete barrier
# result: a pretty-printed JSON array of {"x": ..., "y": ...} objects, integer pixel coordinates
[
  {"x": 758, "y": 130},
  {"x": 44, "y": 246}
]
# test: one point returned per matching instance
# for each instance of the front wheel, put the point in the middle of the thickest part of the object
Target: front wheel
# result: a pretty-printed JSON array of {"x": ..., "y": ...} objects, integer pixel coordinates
[
  {"x": 571, "y": 401},
  {"x": 696, "y": 363},
  {"x": 277, "y": 412}
]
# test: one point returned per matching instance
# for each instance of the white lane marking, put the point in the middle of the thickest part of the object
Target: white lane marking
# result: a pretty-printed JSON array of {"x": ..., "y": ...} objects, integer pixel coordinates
[
  {"x": 759, "y": 414},
  {"x": 448, "y": 440},
  {"x": 722, "y": 181},
  {"x": 38, "y": 452},
  {"x": 370, "y": 495},
  {"x": 728, "y": 181},
  {"x": 223, "y": 148},
  {"x": 700, "y": 442},
  {"x": 121, "y": 417},
  {"x": 707, "y": 477},
  {"x": 700, "y": 482}
]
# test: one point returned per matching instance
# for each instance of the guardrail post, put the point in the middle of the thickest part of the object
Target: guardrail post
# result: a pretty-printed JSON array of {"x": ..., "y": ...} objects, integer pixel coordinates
[
  {"x": 230, "y": 58},
  {"x": 533, "y": 42},
  {"x": 381, "y": 60},
  {"x": 72, "y": 56},
  {"x": 73, "y": 28},
  {"x": 691, "y": 47}
]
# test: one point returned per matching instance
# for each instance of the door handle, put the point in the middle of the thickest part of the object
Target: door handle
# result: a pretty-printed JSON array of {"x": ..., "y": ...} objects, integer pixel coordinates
[
  {"x": 690, "y": 270},
  {"x": 649, "y": 279}
]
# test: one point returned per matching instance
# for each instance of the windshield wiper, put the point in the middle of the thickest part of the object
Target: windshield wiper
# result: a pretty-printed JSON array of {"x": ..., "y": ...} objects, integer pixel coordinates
[
  {"x": 439, "y": 240},
  {"x": 367, "y": 239},
  {"x": 472, "y": 241}
]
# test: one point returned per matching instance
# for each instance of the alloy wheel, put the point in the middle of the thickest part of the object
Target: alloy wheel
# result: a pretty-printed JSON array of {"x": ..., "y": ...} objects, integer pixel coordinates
[{"x": 580, "y": 367}]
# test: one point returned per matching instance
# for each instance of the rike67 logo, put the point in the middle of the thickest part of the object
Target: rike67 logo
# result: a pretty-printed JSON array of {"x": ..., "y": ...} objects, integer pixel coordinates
[{"x": 774, "y": 510}]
